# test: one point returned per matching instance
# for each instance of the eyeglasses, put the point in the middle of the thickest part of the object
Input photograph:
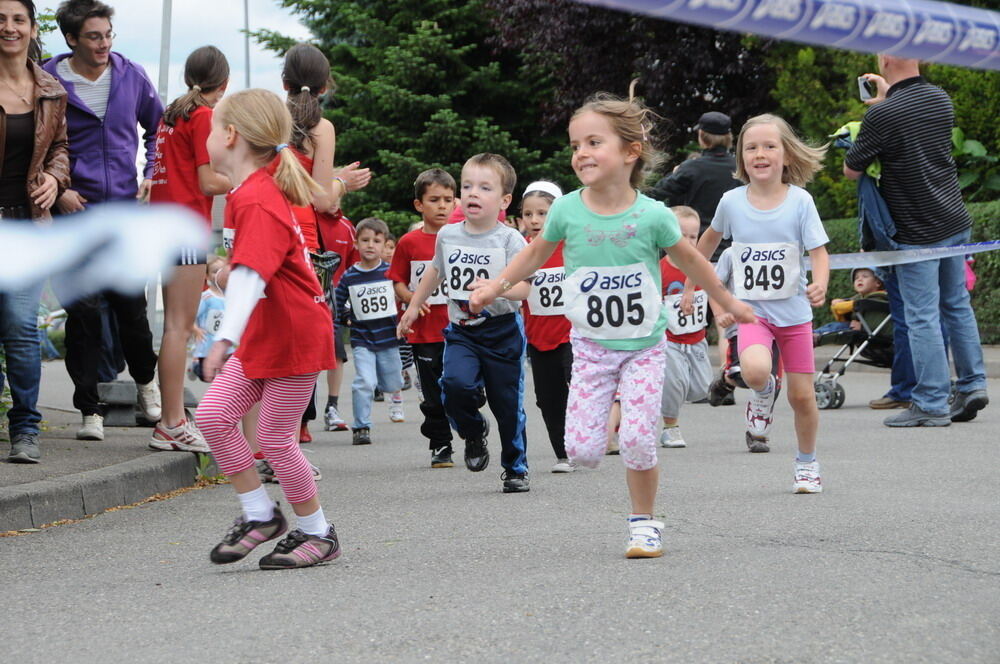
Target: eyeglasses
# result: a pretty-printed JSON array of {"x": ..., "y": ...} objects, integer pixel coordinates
[{"x": 97, "y": 37}]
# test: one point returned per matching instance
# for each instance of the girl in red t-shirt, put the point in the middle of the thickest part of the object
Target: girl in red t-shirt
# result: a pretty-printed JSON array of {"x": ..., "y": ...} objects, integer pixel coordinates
[
  {"x": 275, "y": 311},
  {"x": 546, "y": 327},
  {"x": 182, "y": 175}
]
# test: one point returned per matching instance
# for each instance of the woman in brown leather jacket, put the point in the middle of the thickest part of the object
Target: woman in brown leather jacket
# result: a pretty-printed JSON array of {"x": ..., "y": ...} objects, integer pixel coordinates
[{"x": 34, "y": 171}]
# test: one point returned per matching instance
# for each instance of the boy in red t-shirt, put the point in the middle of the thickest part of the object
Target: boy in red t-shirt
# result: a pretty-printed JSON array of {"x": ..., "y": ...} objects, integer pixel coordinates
[
  {"x": 688, "y": 370},
  {"x": 434, "y": 199}
]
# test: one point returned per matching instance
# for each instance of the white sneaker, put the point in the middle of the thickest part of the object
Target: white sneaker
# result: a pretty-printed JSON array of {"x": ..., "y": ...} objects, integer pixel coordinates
[
  {"x": 267, "y": 473},
  {"x": 564, "y": 466},
  {"x": 644, "y": 539},
  {"x": 807, "y": 479},
  {"x": 149, "y": 400},
  {"x": 396, "y": 413},
  {"x": 672, "y": 437},
  {"x": 333, "y": 420},
  {"x": 760, "y": 410},
  {"x": 92, "y": 429},
  {"x": 184, "y": 437}
]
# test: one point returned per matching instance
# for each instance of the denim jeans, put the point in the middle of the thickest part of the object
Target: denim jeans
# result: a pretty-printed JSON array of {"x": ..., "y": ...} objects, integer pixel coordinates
[
  {"x": 19, "y": 334},
  {"x": 903, "y": 377},
  {"x": 934, "y": 296},
  {"x": 371, "y": 368}
]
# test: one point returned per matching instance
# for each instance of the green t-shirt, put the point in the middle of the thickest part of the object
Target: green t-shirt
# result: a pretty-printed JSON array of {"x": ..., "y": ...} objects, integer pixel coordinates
[{"x": 631, "y": 237}]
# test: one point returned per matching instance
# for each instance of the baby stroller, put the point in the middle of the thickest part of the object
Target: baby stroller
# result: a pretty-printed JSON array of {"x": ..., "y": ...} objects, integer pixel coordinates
[{"x": 871, "y": 345}]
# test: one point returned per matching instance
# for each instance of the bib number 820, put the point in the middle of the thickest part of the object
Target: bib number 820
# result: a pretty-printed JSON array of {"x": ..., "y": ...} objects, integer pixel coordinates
[
  {"x": 614, "y": 311},
  {"x": 470, "y": 275},
  {"x": 772, "y": 279}
]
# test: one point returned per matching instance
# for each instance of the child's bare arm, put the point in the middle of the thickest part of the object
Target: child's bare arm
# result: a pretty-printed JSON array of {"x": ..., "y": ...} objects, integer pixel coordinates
[
  {"x": 700, "y": 272},
  {"x": 524, "y": 265},
  {"x": 428, "y": 282},
  {"x": 816, "y": 291}
]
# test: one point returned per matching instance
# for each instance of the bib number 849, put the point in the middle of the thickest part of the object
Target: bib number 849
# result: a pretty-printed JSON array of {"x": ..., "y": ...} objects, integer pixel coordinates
[
  {"x": 613, "y": 310},
  {"x": 766, "y": 279}
]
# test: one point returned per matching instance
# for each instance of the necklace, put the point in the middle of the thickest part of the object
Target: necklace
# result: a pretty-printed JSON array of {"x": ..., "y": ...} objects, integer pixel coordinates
[{"x": 17, "y": 94}]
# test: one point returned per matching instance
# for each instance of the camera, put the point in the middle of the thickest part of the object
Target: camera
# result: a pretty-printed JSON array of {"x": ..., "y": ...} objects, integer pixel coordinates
[{"x": 866, "y": 89}]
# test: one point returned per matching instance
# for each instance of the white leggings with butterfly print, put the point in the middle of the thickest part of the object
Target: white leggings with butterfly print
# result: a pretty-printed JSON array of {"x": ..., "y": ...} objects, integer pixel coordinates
[{"x": 598, "y": 373}]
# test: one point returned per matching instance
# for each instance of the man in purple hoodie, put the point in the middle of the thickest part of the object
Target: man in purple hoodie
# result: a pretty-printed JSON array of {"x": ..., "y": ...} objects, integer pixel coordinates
[{"x": 108, "y": 96}]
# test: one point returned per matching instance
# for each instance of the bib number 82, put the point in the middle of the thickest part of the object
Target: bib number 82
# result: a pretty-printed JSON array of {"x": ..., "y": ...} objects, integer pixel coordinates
[
  {"x": 772, "y": 279},
  {"x": 550, "y": 297},
  {"x": 614, "y": 311}
]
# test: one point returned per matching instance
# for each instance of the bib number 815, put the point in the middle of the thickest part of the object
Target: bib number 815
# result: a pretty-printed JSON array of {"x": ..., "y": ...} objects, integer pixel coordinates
[
  {"x": 613, "y": 310},
  {"x": 772, "y": 279}
]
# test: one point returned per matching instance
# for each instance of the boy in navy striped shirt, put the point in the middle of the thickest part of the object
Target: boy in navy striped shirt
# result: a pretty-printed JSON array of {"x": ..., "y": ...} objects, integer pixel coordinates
[{"x": 366, "y": 303}]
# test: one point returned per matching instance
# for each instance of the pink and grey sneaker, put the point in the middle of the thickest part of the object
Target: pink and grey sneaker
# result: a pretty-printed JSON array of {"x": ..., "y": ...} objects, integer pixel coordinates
[
  {"x": 185, "y": 437},
  {"x": 301, "y": 550},
  {"x": 245, "y": 536}
]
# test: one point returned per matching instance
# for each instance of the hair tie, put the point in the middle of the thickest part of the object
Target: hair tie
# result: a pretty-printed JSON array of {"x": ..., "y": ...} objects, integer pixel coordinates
[
  {"x": 196, "y": 88},
  {"x": 281, "y": 146},
  {"x": 305, "y": 88}
]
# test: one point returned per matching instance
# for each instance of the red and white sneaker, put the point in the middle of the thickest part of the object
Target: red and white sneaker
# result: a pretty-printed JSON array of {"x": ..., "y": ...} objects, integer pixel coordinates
[
  {"x": 807, "y": 479},
  {"x": 760, "y": 410},
  {"x": 185, "y": 437}
]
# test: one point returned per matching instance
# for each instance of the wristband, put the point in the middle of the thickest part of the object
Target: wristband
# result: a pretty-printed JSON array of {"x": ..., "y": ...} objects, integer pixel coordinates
[
  {"x": 505, "y": 285},
  {"x": 343, "y": 183}
]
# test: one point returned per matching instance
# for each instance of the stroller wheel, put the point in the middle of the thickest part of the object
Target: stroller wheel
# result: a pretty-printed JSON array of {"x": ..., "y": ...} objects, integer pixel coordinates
[
  {"x": 839, "y": 395},
  {"x": 824, "y": 395}
]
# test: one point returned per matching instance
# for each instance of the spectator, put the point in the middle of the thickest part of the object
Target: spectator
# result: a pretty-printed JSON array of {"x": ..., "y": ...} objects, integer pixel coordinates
[
  {"x": 908, "y": 129},
  {"x": 34, "y": 168},
  {"x": 108, "y": 96}
]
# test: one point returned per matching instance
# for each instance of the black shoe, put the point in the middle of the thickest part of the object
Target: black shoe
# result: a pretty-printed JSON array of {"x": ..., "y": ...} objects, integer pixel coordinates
[
  {"x": 24, "y": 448},
  {"x": 477, "y": 457},
  {"x": 441, "y": 457},
  {"x": 482, "y": 398},
  {"x": 729, "y": 400},
  {"x": 379, "y": 396},
  {"x": 514, "y": 482},
  {"x": 968, "y": 404},
  {"x": 719, "y": 391},
  {"x": 757, "y": 444},
  {"x": 362, "y": 436}
]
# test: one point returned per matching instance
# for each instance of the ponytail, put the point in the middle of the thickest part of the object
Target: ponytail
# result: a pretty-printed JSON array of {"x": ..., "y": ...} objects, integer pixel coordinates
[
  {"x": 293, "y": 179},
  {"x": 206, "y": 70},
  {"x": 306, "y": 74}
]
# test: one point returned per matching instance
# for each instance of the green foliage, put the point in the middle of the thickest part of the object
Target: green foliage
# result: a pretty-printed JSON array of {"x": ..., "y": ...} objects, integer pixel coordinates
[{"x": 978, "y": 171}]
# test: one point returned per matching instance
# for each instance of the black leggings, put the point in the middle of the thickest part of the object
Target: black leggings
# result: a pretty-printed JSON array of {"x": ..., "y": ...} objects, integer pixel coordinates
[{"x": 551, "y": 370}]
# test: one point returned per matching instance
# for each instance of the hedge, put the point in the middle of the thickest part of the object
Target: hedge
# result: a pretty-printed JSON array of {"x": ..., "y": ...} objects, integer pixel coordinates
[{"x": 986, "y": 295}]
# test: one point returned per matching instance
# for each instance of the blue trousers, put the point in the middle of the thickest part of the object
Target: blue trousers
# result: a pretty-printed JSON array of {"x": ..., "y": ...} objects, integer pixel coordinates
[
  {"x": 373, "y": 367},
  {"x": 903, "y": 377},
  {"x": 490, "y": 356},
  {"x": 23, "y": 356}
]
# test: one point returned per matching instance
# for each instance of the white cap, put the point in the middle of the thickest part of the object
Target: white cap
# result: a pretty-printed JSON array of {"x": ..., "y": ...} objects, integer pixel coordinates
[{"x": 544, "y": 186}]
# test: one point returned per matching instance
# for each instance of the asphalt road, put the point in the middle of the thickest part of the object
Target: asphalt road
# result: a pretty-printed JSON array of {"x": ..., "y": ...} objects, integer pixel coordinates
[{"x": 897, "y": 561}]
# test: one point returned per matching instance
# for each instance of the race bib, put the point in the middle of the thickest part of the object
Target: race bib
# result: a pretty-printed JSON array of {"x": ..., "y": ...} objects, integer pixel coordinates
[
  {"x": 766, "y": 271},
  {"x": 371, "y": 301},
  {"x": 228, "y": 238},
  {"x": 214, "y": 321},
  {"x": 617, "y": 302},
  {"x": 464, "y": 265},
  {"x": 547, "y": 296},
  {"x": 679, "y": 322},
  {"x": 439, "y": 294}
]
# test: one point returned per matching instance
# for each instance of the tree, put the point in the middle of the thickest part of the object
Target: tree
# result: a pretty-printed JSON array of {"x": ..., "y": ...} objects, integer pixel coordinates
[{"x": 418, "y": 85}]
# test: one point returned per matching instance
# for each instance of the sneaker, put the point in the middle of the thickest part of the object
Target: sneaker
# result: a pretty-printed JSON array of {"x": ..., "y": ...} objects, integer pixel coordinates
[
  {"x": 760, "y": 410},
  {"x": 887, "y": 403},
  {"x": 719, "y": 391},
  {"x": 267, "y": 473},
  {"x": 564, "y": 466},
  {"x": 379, "y": 395},
  {"x": 333, "y": 420},
  {"x": 185, "y": 437},
  {"x": 613, "y": 448},
  {"x": 396, "y": 413},
  {"x": 968, "y": 404},
  {"x": 807, "y": 479},
  {"x": 92, "y": 429},
  {"x": 407, "y": 381},
  {"x": 644, "y": 540},
  {"x": 301, "y": 550},
  {"x": 245, "y": 536},
  {"x": 477, "y": 456},
  {"x": 728, "y": 400},
  {"x": 757, "y": 444},
  {"x": 362, "y": 436},
  {"x": 24, "y": 448},
  {"x": 915, "y": 417},
  {"x": 304, "y": 435},
  {"x": 441, "y": 457},
  {"x": 514, "y": 482},
  {"x": 148, "y": 399},
  {"x": 672, "y": 437}
]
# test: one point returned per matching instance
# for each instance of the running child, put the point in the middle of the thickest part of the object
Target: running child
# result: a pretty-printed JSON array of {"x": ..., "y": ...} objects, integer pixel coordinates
[
  {"x": 396, "y": 413},
  {"x": 182, "y": 175},
  {"x": 366, "y": 304},
  {"x": 546, "y": 325},
  {"x": 276, "y": 314},
  {"x": 434, "y": 199},
  {"x": 485, "y": 347},
  {"x": 612, "y": 235},
  {"x": 773, "y": 222},
  {"x": 688, "y": 369}
]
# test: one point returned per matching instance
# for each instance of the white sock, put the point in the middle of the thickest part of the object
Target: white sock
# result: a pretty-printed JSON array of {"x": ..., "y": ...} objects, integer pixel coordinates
[
  {"x": 257, "y": 505},
  {"x": 314, "y": 524},
  {"x": 767, "y": 390}
]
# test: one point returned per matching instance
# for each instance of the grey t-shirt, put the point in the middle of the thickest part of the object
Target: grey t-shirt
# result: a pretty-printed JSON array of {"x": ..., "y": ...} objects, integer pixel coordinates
[{"x": 461, "y": 257}]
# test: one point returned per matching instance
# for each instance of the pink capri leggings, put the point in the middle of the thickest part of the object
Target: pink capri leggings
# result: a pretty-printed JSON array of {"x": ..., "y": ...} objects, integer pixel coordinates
[
  {"x": 795, "y": 343},
  {"x": 282, "y": 402},
  {"x": 599, "y": 372}
]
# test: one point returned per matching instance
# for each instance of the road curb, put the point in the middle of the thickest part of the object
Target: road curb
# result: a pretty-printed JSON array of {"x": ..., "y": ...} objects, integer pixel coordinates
[{"x": 74, "y": 496}]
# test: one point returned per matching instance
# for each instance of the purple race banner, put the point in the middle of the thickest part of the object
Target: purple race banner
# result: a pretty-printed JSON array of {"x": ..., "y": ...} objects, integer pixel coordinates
[{"x": 930, "y": 31}]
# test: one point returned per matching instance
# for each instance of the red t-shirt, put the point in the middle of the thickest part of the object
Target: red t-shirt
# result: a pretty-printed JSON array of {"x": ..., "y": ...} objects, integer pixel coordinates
[
  {"x": 289, "y": 332},
  {"x": 180, "y": 150},
  {"x": 673, "y": 282},
  {"x": 414, "y": 252},
  {"x": 338, "y": 236},
  {"x": 547, "y": 332},
  {"x": 306, "y": 216}
]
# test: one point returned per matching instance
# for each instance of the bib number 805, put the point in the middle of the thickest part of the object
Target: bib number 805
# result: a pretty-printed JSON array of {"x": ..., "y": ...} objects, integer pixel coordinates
[
  {"x": 613, "y": 310},
  {"x": 772, "y": 279}
]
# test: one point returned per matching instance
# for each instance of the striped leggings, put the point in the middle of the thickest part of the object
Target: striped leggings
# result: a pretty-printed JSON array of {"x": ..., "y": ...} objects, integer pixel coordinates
[{"x": 282, "y": 402}]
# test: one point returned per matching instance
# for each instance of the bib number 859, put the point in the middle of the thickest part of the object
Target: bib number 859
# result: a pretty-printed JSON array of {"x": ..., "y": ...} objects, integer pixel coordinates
[
  {"x": 772, "y": 279},
  {"x": 613, "y": 310},
  {"x": 369, "y": 305}
]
